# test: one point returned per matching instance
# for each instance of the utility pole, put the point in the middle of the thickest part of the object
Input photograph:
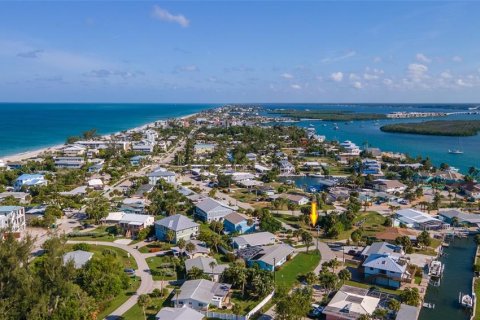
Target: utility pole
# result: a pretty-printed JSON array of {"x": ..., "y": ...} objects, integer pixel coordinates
[
  {"x": 318, "y": 235},
  {"x": 274, "y": 264}
]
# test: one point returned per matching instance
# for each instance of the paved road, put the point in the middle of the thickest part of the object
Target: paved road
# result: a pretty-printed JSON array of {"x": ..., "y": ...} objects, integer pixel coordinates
[{"x": 143, "y": 272}]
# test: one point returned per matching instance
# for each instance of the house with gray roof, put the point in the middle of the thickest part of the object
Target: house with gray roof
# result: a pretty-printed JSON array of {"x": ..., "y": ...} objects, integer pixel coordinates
[
  {"x": 161, "y": 174},
  {"x": 350, "y": 303},
  {"x": 203, "y": 263},
  {"x": 200, "y": 294},
  {"x": 467, "y": 219},
  {"x": 184, "y": 313},
  {"x": 270, "y": 257},
  {"x": 386, "y": 269},
  {"x": 211, "y": 210},
  {"x": 383, "y": 248},
  {"x": 12, "y": 218},
  {"x": 78, "y": 257},
  {"x": 407, "y": 312},
  {"x": 182, "y": 226},
  {"x": 253, "y": 239}
]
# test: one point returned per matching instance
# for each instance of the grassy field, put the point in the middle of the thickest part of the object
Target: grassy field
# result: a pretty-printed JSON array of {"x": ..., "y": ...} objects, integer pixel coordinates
[
  {"x": 101, "y": 233},
  {"x": 477, "y": 302},
  {"x": 136, "y": 312},
  {"x": 155, "y": 245},
  {"x": 302, "y": 263},
  {"x": 371, "y": 222}
]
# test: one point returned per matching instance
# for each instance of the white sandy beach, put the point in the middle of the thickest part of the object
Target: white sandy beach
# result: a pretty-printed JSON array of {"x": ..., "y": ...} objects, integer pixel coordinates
[{"x": 52, "y": 149}]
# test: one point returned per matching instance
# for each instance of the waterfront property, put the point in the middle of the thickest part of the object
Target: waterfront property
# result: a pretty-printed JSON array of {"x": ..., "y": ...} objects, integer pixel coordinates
[
  {"x": 389, "y": 186},
  {"x": 12, "y": 218},
  {"x": 200, "y": 294},
  {"x": 418, "y": 220},
  {"x": 350, "y": 303},
  {"x": 69, "y": 162},
  {"x": 466, "y": 219},
  {"x": 209, "y": 210},
  {"x": 181, "y": 226}
]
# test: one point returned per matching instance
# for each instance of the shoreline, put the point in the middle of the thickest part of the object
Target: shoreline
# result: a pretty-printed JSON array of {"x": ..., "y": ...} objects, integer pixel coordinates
[{"x": 57, "y": 147}]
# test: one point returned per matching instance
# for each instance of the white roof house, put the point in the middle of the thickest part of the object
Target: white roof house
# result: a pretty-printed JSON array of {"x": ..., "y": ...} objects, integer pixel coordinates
[
  {"x": 184, "y": 313},
  {"x": 79, "y": 258},
  {"x": 417, "y": 219},
  {"x": 350, "y": 303},
  {"x": 137, "y": 220},
  {"x": 199, "y": 294},
  {"x": 30, "y": 180}
]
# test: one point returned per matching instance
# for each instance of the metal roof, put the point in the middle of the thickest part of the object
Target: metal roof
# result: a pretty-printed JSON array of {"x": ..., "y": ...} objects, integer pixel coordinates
[{"x": 177, "y": 222}]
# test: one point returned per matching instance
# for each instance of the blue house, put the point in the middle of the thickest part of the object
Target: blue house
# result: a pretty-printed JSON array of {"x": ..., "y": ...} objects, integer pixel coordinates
[
  {"x": 267, "y": 257},
  {"x": 237, "y": 223}
]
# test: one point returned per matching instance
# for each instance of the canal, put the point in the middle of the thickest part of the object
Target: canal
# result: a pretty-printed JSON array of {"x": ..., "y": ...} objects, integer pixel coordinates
[{"x": 457, "y": 277}]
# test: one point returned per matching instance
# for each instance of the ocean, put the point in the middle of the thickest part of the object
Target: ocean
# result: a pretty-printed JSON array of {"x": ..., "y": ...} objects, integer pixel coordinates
[
  {"x": 30, "y": 126},
  {"x": 368, "y": 132}
]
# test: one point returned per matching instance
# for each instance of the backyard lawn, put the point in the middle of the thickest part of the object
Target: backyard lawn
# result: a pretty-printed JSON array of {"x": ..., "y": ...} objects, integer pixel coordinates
[
  {"x": 101, "y": 233},
  {"x": 302, "y": 263},
  {"x": 162, "y": 268},
  {"x": 121, "y": 298},
  {"x": 127, "y": 260},
  {"x": 136, "y": 312}
]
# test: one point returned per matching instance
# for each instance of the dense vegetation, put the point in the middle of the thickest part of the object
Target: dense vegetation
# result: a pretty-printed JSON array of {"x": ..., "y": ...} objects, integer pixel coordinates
[
  {"x": 45, "y": 288},
  {"x": 436, "y": 128},
  {"x": 330, "y": 115}
]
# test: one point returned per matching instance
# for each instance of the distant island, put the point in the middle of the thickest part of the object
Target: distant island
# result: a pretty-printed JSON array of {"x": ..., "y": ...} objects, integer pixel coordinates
[
  {"x": 329, "y": 115},
  {"x": 436, "y": 128}
]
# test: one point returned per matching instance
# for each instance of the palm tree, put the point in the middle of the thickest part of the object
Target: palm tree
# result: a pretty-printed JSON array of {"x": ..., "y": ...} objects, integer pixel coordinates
[
  {"x": 181, "y": 243},
  {"x": 344, "y": 275},
  {"x": 143, "y": 301},
  {"x": 334, "y": 264},
  {"x": 190, "y": 247},
  {"x": 170, "y": 236},
  {"x": 177, "y": 293},
  {"x": 212, "y": 265}
]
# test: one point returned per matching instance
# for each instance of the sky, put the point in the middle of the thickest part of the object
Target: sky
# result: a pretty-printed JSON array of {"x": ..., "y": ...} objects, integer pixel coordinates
[{"x": 240, "y": 51}]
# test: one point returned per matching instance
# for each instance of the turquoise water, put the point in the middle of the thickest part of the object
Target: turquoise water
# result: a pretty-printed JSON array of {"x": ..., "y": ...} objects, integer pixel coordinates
[
  {"x": 30, "y": 126},
  {"x": 457, "y": 277},
  {"x": 435, "y": 147}
]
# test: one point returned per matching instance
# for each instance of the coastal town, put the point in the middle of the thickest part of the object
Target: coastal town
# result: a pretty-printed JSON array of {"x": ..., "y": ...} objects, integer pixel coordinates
[{"x": 230, "y": 213}]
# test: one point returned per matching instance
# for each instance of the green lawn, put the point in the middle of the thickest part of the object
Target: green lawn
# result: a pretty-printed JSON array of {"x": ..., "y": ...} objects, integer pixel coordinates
[
  {"x": 155, "y": 245},
  {"x": 477, "y": 303},
  {"x": 162, "y": 268},
  {"x": 101, "y": 233},
  {"x": 136, "y": 312},
  {"x": 128, "y": 261},
  {"x": 302, "y": 263},
  {"x": 121, "y": 298}
]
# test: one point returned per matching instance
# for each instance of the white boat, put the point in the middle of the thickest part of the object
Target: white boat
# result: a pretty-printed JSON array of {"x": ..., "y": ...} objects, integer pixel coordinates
[
  {"x": 429, "y": 305},
  {"x": 455, "y": 151},
  {"x": 465, "y": 300},
  {"x": 435, "y": 269}
]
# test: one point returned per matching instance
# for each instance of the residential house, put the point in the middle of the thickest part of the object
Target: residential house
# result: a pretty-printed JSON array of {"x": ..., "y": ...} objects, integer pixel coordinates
[
  {"x": 161, "y": 174},
  {"x": 143, "y": 190},
  {"x": 386, "y": 269},
  {"x": 389, "y": 186},
  {"x": 286, "y": 167},
  {"x": 101, "y": 144},
  {"x": 235, "y": 222},
  {"x": 267, "y": 257},
  {"x": 200, "y": 250},
  {"x": 203, "y": 263},
  {"x": 132, "y": 223},
  {"x": 253, "y": 239},
  {"x": 297, "y": 199},
  {"x": 73, "y": 151},
  {"x": 135, "y": 161},
  {"x": 417, "y": 220},
  {"x": 472, "y": 190},
  {"x": 97, "y": 167},
  {"x": 209, "y": 210},
  {"x": 184, "y": 313},
  {"x": 69, "y": 162},
  {"x": 251, "y": 156},
  {"x": 29, "y": 180},
  {"x": 200, "y": 294},
  {"x": 370, "y": 166},
  {"x": 21, "y": 197},
  {"x": 96, "y": 184},
  {"x": 182, "y": 227},
  {"x": 350, "y": 303},
  {"x": 142, "y": 147},
  {"x": 204, "y": 148},
  {"x": 407, "y": 312},
  {"x": 465, "y": 219},
  {"x": 133, "y": 205},
  {"x": 79, "y": 258},
  {"x": 12, "y": 218}
]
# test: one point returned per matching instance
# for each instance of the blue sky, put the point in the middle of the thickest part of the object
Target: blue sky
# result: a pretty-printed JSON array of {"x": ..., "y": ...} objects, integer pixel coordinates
[{"x": 227, "y": 51}]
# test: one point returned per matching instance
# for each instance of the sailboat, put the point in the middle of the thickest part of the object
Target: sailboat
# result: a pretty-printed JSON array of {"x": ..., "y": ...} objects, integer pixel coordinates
[{"x": 456, "y": 151}]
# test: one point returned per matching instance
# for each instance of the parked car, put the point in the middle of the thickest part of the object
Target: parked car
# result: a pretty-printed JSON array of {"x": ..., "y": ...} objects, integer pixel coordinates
[
  {"x": 315, "y": 311},
  {"x": 129, "y": 271}
]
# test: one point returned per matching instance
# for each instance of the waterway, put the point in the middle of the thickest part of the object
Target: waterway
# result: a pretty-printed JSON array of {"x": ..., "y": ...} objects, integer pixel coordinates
[{"x": 457, "y": 277}]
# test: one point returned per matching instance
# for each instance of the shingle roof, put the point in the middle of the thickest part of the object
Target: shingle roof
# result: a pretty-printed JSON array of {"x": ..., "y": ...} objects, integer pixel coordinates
[
  {"x": 185, "y": 313},
  {"x": 384, "y": 262},
  {"x": 255, "y": 239},
  {"x": 177, "y": 222},
  {"x": 210, "y": 204},
  {"x": 277, "y": 252},
  {"x": 203, "y": 263},
  {"x": 202, "y": 290},
  {"x": 235, "y": 218}
]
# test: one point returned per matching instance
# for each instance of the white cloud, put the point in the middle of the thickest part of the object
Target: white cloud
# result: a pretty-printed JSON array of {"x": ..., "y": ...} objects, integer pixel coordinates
[
  {"x": 423, "y": 58},
  {"x": 457, "y": 59},
  {"x": 296, "y": 86},
  {"x": 387, "y": 81},
  {"x": 187, "y": 68},
  {"x": 347, "y": 55},
  {"x": 417, "y": 71},
  {"x": 357, "y": 85},
  {"x": 287, "y": 75},
  {"x": 462, "y": 83},
  {"x": 368, "y": 76},
  {"x": 337, "y": 76},
  {"x": 164, "y": 15},
  {"x": 446, "y": 75},
  {"x": 353, "y": 76}
]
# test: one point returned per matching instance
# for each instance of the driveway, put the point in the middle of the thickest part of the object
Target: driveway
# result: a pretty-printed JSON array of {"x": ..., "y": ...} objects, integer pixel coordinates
[{"x": 143, "y": 271}]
